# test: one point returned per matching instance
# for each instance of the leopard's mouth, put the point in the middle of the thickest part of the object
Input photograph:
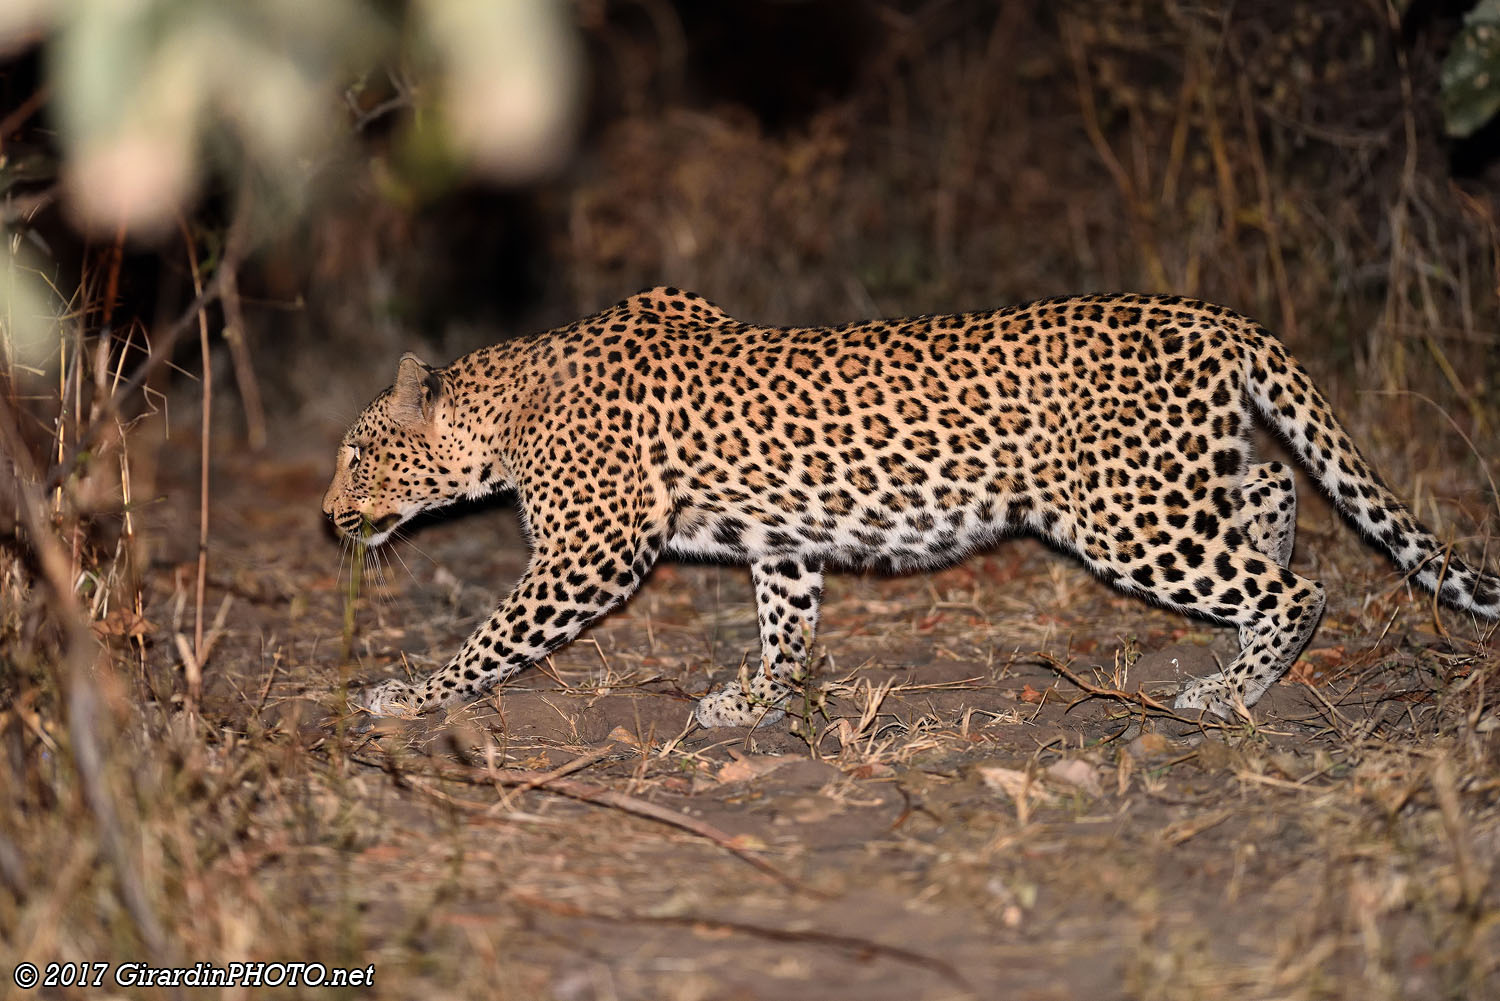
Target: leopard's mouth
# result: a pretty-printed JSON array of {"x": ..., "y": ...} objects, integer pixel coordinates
[
  {"x": 356, "y": 526},
  {"x": 347, "y": 524},
  {"x": 373, "y": 531}
]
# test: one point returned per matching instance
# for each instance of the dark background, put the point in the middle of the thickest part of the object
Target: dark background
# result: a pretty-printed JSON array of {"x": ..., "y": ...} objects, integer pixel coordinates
[{"x": 807, "y": 162}]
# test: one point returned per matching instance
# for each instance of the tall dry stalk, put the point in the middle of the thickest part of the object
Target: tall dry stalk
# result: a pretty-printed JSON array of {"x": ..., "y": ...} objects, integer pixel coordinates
[{"x": 194, "y": 664}]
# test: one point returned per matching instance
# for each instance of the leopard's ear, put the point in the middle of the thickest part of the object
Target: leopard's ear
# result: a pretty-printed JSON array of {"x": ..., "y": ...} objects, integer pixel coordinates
[{"x": 418, "y": 388}]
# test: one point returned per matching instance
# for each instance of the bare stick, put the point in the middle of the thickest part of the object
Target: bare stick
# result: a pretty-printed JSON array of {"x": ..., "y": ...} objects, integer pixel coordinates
[
  {"x": 809, "y": 936},
  {"x": 578, "y": 764},
  {"x": 84, "y": 726},
  {"x": 235, "y": 333},
  {"x": 244, "y": 369},
  {"x": 112, "y": 283},
  {"x": 194, "y": 667},
  {"x": 1149, "y": 706},
  {"x": 599, "y": 796}
]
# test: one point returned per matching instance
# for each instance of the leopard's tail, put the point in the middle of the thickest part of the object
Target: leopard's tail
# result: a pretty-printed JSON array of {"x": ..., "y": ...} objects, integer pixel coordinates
[{"x": 1286, "y": 397}]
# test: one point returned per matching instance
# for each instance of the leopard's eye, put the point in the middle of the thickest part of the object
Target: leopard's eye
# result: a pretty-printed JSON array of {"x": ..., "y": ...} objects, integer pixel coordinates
[{"x": 353, "y": 454}]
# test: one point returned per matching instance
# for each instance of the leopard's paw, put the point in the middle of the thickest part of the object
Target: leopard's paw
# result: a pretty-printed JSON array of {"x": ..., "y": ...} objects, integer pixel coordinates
[
  {"x": 1211, "y": 694},
  {"x": 389, "y": 698},
  {"x": 729, "y": 706}
]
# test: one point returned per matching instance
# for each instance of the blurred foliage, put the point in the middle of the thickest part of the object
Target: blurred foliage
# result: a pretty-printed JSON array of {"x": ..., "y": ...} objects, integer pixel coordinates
[
  {"x": 29, "y": 307},
  {"x": 1471, "y": 73},
  {"x": 1285, "y": 159},
  {"x": 150, "y": 93}
]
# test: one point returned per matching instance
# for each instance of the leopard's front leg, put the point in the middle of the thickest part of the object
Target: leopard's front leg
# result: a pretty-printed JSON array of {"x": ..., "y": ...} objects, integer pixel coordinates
[
  {"x": 788, "y": 591},
  {"x": 568, "y": 585}
]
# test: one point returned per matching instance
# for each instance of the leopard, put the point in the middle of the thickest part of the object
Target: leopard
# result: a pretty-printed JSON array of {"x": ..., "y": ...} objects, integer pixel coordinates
[{"x": 1116, "y": 427}]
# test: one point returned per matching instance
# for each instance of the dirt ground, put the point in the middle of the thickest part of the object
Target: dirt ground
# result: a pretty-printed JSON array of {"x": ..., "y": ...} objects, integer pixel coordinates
[
  {"x": 976, "y": 799},
  {"x": 951, "y": 819}
]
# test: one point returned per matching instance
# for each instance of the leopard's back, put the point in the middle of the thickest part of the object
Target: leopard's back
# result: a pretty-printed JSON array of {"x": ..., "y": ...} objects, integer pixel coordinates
[{"x": 910, "y": 442}]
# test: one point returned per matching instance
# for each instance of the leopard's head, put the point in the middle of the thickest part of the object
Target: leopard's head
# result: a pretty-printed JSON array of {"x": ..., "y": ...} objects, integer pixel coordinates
[{"x": 402, "y": 456}]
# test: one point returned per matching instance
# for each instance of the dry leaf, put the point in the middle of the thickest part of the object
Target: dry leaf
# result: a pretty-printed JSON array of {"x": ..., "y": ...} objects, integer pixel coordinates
[
  {"x": 624, "y": 736},
  {"x": 1149, "y": 745},
  {"x": 1077, "y": 772},
  {"x": 745, "y": 769},
  {"x": 1029, "y": 694},
  {"x": 124, "y": 623},
  {"x": 1013, "y": 783}
]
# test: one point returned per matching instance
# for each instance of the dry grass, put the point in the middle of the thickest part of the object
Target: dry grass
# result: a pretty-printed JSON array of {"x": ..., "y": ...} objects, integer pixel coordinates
[
  {"x": 572, "y": 840},
  {"x": 947, "y": 816}
]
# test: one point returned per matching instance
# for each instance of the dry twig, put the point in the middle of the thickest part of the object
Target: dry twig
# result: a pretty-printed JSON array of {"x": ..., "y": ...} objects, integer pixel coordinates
[
  {"x": 599, "y": 796},
  {"x": 1149, "y": 706},
  {"x": 799, "y": 936},
  {"x": 194, "y": 667}
]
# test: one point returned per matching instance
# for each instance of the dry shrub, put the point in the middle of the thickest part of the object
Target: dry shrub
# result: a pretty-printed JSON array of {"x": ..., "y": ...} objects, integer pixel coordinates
[{"x": 1285, "y": 160}]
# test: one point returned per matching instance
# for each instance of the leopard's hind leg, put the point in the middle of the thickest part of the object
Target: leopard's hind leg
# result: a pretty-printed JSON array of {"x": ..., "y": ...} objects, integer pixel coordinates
[
  {"x": 1280, "y": 614},
  {"x": 1232, "y": 573},
  {"x": 1276, "y": 611},
  {"x": 1268, "y": 510}
]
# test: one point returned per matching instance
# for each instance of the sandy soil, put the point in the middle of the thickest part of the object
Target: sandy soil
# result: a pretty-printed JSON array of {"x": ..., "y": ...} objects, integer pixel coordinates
[{"x": 952, "y": 819}]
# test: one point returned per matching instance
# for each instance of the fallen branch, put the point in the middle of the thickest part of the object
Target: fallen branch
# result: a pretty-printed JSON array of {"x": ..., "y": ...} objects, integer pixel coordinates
[
  {"x": 236, "y": 333},
  {"x": 1148, "y": 705},
  {"x": 862, "y": 947},
  {"x": 597, "y": 795}
]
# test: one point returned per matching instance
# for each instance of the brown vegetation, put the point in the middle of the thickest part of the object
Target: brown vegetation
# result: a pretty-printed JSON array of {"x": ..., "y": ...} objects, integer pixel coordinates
[{"x": 977, "y": 801}]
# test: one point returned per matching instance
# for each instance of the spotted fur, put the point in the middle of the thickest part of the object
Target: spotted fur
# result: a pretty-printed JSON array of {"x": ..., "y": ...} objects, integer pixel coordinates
[{"x": 1116, "y": 426}]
